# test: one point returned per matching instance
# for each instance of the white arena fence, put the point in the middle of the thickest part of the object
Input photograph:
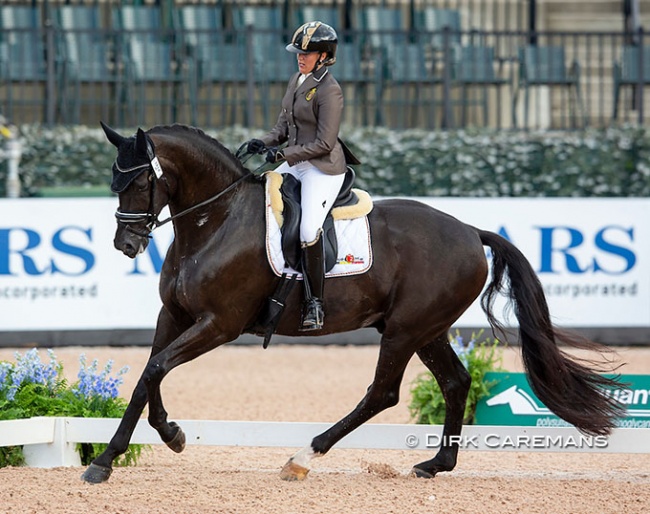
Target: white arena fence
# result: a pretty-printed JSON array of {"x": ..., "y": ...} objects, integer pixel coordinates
[{"x": 51, "y": 441}]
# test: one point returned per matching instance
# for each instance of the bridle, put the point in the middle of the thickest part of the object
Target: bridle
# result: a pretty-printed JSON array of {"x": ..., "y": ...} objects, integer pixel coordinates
[{"x": 150, "y": 218}]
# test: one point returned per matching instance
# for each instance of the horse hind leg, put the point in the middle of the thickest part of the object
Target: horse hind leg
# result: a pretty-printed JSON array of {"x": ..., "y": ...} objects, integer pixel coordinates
[
  {"x": 382, "y": 394},
  {"x": 454, "y": 381},
  {"x": 298, "y": 466}
]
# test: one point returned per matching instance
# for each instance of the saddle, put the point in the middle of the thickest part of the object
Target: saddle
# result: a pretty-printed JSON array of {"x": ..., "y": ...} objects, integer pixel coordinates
[
  {"x": 284, "y": 202},
  {"x": 285, "y": 195}
]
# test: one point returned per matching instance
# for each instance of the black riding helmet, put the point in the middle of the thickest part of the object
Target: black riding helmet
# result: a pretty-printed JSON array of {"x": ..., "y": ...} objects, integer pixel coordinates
[{"x": 315, "y": 36}]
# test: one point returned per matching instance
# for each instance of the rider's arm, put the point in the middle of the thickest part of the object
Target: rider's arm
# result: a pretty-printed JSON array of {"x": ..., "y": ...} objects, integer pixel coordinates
[{"x": 279, "y": 133}]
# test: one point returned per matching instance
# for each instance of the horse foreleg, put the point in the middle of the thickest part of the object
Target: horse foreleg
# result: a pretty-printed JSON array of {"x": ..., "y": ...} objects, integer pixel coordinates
[
  {"x": 196, "y": 340},
  {"x": 454, "y": 381},
  {"x": 170, "y": 432},
  {"x": 382, "y": 394},
  {"x": 101, "y": 468}
]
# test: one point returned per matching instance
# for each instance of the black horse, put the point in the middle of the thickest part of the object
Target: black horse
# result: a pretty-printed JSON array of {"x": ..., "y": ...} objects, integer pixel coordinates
[{"x": 428, "y": 268}]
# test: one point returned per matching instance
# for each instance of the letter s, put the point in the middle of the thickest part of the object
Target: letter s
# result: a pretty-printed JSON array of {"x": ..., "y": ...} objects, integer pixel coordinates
[
  {"x": 86, "y": 257},
  {"x": 624, "y": 253}
]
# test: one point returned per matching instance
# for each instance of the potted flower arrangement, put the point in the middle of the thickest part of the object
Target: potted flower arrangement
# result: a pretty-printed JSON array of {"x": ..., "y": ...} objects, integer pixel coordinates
[
  {"x": 427, "y": 403},
  {"x": 30, "y": 387}
]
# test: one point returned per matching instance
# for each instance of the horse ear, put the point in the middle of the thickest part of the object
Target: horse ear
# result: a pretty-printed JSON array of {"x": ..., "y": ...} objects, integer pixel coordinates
[
  {"x": 141, "y": 142},
  {"x": 115, "y": 138}
]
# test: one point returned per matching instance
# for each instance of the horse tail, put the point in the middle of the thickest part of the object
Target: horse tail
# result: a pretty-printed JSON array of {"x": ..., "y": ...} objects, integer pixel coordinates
[{"x": 568, "y": 386}]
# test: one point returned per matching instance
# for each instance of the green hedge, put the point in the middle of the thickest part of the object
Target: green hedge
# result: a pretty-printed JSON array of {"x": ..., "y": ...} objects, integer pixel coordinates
[{"x": 613, "y": 162}]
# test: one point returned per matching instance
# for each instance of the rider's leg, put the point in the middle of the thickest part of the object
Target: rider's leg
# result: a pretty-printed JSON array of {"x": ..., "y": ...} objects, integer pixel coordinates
[
  {"x": 318, "y": 194},
  {"x": 313, "y": 271},
  {"x": 319, "y": 191}
]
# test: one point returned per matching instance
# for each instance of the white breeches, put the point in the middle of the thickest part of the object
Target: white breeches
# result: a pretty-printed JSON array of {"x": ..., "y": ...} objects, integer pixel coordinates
[{"x": 318, "y": 193}]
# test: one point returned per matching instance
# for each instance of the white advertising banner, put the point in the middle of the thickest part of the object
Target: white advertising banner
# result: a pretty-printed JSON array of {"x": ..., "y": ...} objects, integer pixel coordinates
[
  {"x": 60, "y": 271},
  {"x": 592, "y": 255}
]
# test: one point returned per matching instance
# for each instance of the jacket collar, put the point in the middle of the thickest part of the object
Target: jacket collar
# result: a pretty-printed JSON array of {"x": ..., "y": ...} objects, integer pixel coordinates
[
  {"x": 319, "y": 74},
  {"x": 312, "y": 80}
]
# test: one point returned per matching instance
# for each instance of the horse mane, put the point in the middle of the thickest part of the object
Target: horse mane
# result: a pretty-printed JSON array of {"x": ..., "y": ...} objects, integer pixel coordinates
[{"x": 197, "y": 133}]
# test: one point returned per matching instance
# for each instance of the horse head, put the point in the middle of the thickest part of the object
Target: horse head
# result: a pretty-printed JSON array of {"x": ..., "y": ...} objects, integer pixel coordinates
[
  {"x": 136, "y": 171},
  {"x": 198, "y": 170}
]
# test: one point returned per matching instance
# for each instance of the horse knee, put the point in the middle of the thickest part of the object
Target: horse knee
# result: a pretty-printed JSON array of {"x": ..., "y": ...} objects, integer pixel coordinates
[
  {"x": 391, "y": 398},
  {"x": 377, "y": 401},
  {"x": 465, "y": 380},
  {"x": 153, "y": 372},
  {"x": 458, "y": 387}
]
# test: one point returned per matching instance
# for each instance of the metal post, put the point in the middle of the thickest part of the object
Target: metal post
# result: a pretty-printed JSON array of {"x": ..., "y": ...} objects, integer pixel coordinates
[
  {"x": 532, "y": 22},
  {"x": 50, "y": 83},
  {"x": 250, "y": 77},
  {"x": 641, "y": 77},
  {"x": 448, "y": 117},
  {"x": 13, "y": 152}
]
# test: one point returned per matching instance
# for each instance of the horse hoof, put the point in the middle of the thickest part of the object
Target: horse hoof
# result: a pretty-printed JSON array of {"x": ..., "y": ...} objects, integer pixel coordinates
[
  {"x": 420, "y": 473},
  {"x": 95, "y": 474},
  {"x": 293, "y": 472},
  {"x": 177, "y": 443}
]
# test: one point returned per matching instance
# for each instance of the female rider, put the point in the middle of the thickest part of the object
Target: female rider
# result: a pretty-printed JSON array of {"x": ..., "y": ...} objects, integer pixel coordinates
[{"x": 309, "y": 123}]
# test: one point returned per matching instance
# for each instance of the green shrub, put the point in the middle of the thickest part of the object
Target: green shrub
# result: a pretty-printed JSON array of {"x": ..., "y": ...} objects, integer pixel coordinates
[
  {"x": 427, "y": 404},
  {"x": 479, "y": 163}
]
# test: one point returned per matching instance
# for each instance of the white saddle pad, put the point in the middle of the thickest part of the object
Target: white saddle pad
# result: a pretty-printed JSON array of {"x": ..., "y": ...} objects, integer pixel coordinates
[{"x": 354, "y": 252}]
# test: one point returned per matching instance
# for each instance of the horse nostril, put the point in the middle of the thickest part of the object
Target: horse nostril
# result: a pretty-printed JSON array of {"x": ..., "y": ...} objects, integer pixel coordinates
[{"x": 126, "y": 248}]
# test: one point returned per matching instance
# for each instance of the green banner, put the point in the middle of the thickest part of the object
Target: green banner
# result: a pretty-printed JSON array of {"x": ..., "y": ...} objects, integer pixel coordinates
[{"x": 511, "y": 402}]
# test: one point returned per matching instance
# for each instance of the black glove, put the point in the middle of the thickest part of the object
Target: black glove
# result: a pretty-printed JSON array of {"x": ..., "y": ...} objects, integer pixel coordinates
[
  {"x": 274, "y": 155},
  {"x": 255, "y": 146}
]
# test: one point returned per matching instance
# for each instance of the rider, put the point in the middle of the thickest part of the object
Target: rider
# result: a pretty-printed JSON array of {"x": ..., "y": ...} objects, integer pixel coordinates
[{"x": 309, "y": 123}]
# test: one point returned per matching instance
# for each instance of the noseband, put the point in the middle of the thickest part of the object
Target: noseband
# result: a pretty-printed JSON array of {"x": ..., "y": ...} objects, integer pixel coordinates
[{"x": 150, "y": 218}]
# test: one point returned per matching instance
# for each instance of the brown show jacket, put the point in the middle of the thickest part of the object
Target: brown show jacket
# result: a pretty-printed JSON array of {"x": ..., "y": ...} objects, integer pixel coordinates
[{"x": 309, "y": 123}]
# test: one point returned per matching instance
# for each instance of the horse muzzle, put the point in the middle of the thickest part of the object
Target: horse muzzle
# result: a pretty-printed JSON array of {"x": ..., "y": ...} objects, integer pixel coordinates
[
  {"x": 133, "y": 232},
  {"x": 129, "y": 243}
]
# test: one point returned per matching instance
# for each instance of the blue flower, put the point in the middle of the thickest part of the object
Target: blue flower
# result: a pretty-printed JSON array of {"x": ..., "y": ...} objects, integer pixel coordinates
[
  {"x": 98, "y": 383},
  {"x": 463, "y": 351},
  {"x": 29, "y": 370},
  {"x": 5, "y": 369}
]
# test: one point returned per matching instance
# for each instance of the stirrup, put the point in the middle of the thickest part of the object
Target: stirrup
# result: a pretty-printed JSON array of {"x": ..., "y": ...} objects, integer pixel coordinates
[{"x": 313, "y": 315}]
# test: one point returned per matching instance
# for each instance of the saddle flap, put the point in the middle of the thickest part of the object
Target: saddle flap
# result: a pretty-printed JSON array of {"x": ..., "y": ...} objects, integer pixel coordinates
[{"x": 285, "y": 195}]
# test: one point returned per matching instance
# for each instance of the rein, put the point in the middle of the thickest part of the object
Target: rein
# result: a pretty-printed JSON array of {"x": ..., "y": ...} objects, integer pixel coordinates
[
  {"x": 200, "y": 204},
  {"x": 151, "y": 219}
]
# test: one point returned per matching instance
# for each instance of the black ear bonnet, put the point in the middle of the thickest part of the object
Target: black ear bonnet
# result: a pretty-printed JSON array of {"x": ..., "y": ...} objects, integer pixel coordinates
[{"x": 132, "y": 160}]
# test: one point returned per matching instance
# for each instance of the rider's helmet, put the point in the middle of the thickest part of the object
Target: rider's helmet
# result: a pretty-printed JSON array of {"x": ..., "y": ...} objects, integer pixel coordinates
[{"x": 315, "y": 36}]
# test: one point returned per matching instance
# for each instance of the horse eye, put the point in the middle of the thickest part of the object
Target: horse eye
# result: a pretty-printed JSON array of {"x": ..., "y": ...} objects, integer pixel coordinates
[{"x": 143, "y": 186}]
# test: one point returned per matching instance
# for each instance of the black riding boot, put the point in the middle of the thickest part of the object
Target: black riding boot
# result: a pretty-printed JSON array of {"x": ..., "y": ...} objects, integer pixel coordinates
[{"x": 313, "y": 269}]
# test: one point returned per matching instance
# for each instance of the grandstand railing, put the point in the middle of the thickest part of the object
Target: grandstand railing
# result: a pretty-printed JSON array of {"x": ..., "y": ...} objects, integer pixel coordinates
[{"x": 440, "y": 79}]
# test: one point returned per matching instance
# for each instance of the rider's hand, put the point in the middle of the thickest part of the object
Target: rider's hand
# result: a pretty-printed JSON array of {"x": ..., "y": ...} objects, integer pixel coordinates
[
  {"x": 274, "y": 155},
  {"x": 255, "y": 146}
]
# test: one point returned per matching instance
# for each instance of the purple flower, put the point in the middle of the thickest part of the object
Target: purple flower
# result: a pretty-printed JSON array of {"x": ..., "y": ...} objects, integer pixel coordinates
[
  {"x": 29, "y": 369},
  {"x": 98, "y": 383}
]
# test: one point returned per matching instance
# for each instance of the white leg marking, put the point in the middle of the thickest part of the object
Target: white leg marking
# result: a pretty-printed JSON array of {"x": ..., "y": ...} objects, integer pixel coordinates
[{"x": 304, "y": 457}]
